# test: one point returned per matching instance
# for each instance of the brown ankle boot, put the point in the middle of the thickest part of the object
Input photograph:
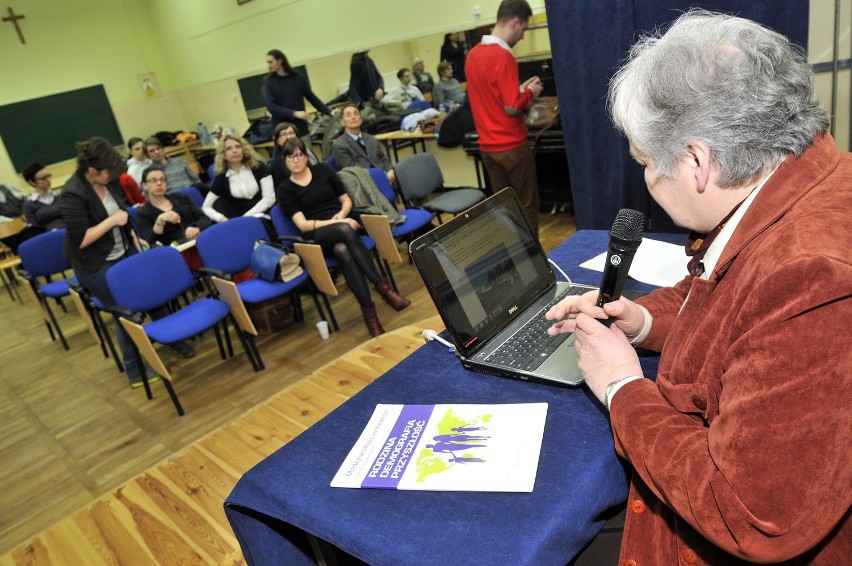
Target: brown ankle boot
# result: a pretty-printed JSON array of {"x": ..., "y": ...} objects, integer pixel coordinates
[
  {"x": 391, "y": 297},
  {"x": 371, "y": 319}
]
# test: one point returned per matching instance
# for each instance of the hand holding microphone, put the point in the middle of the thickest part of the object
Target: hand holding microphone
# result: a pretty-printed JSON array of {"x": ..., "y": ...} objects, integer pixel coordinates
[{"x": 624, "y": 239}]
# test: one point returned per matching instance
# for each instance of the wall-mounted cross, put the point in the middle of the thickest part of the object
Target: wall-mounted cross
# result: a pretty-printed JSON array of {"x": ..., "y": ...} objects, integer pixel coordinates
[{"x": 13, "y": 17}]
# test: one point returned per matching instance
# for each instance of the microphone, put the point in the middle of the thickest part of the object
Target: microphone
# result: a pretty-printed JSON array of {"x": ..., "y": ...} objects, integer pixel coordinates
[
  {"x": 624, "y": 239},
  {"x": 430, "y": 334}
]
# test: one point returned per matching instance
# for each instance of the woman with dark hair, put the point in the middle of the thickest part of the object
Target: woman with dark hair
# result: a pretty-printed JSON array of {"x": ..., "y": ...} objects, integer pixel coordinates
[
  {"x": 315, "y": 199},
  {"x": 455, "y": 52},
  {"x": 283, "y": 132},
  {"x": 99, "y": 236},
  {"x": 243, "y": 184},
  {"x": 285, "y": 91},
  {"x": 171, "y": 217},
  {"x": 365, "y": 80},
  {"x": 42, "y": 207}
]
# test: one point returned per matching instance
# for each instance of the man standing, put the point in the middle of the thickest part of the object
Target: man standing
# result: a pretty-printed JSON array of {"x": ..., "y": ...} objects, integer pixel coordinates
[
  {"x": 355, "y": 148},
  {"x": 499, "y": 106}
]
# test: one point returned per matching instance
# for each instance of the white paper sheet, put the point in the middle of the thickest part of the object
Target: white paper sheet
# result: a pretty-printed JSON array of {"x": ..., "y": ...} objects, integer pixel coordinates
[{"x": 656, "y": 263}]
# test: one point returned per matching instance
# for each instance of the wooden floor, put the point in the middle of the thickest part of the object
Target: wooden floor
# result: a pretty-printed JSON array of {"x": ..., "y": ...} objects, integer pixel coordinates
[{"x": 125, "y": 480}]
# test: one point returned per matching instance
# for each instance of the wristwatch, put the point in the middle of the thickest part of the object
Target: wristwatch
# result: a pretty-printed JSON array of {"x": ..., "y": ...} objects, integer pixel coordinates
[{"x": 611, "y": 389}]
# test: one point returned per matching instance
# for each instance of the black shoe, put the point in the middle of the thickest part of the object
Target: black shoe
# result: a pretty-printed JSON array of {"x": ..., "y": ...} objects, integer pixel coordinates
[{"x": 182, "y": 348}]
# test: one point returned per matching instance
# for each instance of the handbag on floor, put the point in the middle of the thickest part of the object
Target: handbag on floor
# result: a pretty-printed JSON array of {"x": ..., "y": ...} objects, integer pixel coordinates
[{"x": 274, "y": 263}]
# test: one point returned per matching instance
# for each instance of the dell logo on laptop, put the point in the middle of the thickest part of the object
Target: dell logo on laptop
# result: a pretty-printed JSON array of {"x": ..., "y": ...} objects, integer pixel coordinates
[{"x": 513, "y": 309}]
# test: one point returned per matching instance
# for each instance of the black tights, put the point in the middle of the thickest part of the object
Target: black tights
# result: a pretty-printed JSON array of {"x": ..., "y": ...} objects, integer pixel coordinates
[{"x": 341, "y": 241}]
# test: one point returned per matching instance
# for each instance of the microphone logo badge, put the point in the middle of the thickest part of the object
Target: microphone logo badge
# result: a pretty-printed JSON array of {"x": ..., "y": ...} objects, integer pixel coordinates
[{"x": 615, "y": 259}]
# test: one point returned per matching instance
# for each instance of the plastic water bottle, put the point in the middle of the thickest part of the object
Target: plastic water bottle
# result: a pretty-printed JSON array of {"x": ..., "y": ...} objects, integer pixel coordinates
[
  {"x": 204, "y": 134},
  {"x": 442, "y": 108}
]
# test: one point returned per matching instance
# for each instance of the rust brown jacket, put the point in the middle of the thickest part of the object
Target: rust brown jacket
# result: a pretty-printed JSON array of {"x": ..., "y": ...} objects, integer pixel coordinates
[{"x": 742, "y": 450}]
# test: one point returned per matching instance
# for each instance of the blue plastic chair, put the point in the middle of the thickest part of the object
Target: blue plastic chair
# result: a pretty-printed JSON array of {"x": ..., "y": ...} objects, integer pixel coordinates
[
  {"x": 146, "y": 281},
  {"x": 194, "y": 195},
  {"x": 419, "y": 105},
  {"x": 227, "y": 247},
  {"x": 415, "y": 218},
  {"x": 332, "y": 162},
  {"x": 43, "y": 256}
]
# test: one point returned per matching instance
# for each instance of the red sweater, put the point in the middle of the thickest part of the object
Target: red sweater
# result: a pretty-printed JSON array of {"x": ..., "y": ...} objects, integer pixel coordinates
[{"x": 498, "y": 108}]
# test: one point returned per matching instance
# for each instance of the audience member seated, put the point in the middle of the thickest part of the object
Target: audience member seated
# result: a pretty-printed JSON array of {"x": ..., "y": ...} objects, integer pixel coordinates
[
  {"x": 132, "y": 193},
  {"x": 42, "y": 207},
  {"x": 356, "y": 149},
  {"x": 285, "y": 91},
  {"x": 243, "y": 184},
  {"x": 177, "y": 170},
  {"x": 365, "y": 80},
  {"x": 138, "y": 161},
  {"x": 283, "y": 132},
  {"x": 98, "y": 236},
  {"x": 404, "y": 92},
  {"x": 422, "y": 80},
  {"x": 447, "y": 88},
  {"x": 315, "y": 199},
  {"x": 168, "y": 218}
]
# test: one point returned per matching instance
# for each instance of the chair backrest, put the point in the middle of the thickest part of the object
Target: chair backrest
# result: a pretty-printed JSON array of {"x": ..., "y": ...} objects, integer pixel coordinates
[
  {"x": 148, "y": 280},
  {"x": 418, "y": 175},
  {"x": 381, "y": 180},
  {"x": 283, "y": 225},
  {"x": 211, "y": 172},
  {"x": 227, "y": 246},
  {"x": 193, "y": 194},
  {"x": 44, "y": 254},
  {"x": 332, "y": 162}
]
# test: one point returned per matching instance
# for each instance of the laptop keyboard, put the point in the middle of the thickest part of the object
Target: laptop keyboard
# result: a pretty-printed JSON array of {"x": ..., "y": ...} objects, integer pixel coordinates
[{"x": 531, "y": 345}]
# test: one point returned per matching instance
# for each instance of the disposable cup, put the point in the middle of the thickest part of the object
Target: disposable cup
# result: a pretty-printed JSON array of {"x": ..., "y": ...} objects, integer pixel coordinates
[{"x": 322, "y": 326}]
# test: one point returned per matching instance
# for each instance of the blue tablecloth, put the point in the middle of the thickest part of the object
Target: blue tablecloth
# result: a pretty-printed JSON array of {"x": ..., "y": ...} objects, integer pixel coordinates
[{"x": 579, "y": 476}]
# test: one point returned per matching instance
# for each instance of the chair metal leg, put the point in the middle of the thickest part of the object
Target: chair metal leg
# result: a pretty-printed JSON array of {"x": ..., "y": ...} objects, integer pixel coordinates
[
  {"x": 46, "y": 304},
  {"x": 313, "y": 292},
  {"x": 143, "y": 373},
  {"x": 228, "y": 344},
  {"x": 249, "y": 346},
  {"x": 219, "y": 342},
  {"x": 330, "y": 311},
  {"x": 390, "y": 275},
  {"x": 174, "y": 396}
]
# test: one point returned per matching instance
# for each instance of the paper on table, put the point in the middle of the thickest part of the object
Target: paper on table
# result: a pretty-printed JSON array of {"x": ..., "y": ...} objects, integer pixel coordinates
[{"x": 656, "y": 263}]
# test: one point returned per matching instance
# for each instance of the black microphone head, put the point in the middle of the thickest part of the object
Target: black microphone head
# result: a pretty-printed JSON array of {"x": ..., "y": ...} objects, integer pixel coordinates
[{"x": 627, "y": 229}]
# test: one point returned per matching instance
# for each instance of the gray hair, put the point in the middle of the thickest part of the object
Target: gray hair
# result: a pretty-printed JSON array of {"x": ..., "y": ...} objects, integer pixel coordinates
[{"x": 738, "y": 87}]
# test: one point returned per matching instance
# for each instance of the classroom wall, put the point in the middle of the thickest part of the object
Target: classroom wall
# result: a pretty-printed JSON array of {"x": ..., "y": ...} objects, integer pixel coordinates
[{"x": 198, "y": 48}]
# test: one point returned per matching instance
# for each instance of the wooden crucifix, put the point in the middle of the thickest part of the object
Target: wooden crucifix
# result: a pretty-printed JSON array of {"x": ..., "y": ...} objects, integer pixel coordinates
[{"x": 13, "y": 17}]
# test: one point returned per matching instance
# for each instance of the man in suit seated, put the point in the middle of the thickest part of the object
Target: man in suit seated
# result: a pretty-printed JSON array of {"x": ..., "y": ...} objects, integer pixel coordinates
[{"x": 356, "y": 149}]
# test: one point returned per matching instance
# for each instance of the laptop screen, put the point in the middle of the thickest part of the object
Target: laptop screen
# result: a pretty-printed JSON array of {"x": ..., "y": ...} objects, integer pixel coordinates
[{"x": 483, "y": 268}]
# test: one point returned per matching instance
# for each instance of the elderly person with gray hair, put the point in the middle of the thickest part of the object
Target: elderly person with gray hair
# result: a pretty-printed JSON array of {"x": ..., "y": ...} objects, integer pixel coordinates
[
  {"x": 420, "y": 78},
  {"x": 740, "y": 450}
]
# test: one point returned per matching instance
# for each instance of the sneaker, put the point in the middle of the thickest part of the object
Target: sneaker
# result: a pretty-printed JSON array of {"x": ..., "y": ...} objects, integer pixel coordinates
[
  {"x": 183, "y": 349},
  {"x": 136, "y": 382}
]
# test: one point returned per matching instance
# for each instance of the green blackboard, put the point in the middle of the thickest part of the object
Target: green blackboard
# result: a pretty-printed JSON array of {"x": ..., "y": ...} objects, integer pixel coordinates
[
  {"x": 47, "y": 129},
  {"x": 251, "y": 89}
]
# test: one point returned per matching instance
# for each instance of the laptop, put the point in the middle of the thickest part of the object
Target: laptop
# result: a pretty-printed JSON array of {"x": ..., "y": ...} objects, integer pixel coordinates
[{"x": 492, "y": 284}]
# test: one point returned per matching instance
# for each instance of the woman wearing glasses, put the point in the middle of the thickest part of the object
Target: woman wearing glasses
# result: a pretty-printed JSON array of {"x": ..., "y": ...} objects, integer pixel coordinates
[
  {"x": 316, "y": 200},
  {"x": 42, "y": 207},
  {"x": 168, "y": 218},
  {"x": 283, "y": 132}
]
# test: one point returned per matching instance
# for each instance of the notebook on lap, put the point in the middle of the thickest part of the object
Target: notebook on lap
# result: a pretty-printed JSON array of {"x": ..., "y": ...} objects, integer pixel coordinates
[{"x": 492, "y": 284}]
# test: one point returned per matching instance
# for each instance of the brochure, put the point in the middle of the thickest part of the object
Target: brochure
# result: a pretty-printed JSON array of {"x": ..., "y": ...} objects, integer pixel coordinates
[{"x": 447, "y": 448}]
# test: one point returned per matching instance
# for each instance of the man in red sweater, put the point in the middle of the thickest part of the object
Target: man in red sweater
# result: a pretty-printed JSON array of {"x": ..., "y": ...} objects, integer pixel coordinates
[{"x": 499, "y": 106}]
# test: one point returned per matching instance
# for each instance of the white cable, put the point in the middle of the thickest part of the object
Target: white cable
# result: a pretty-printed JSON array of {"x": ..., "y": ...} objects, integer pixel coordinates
[
  {"x": 559, "y": 269},
  {"x": 430, "y": 334}
]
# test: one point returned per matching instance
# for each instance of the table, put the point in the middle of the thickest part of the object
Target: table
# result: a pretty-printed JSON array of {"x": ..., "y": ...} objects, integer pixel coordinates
[
  {"x": 579, "y": 477},
  {"x": 398, "y": 137}
]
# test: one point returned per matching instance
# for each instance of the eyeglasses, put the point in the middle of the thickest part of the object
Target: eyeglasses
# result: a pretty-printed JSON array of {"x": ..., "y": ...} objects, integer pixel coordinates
[
  {"x": 156, "y": 180},
  {"x": 44, "y": 177},
  {"x": 295, "y": 156}
]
